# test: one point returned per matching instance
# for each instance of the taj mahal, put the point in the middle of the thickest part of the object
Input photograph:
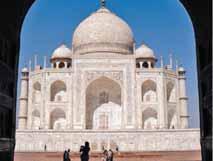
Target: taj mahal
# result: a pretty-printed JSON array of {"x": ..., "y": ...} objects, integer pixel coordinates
[{"x": 106, "y": 91}]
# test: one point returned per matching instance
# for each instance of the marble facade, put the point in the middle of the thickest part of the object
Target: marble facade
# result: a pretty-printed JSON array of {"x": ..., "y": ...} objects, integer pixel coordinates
[{"x": 104, "y": 88}]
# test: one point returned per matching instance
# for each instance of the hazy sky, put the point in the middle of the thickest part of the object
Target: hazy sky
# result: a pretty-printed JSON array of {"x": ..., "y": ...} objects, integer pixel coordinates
[{"x": 163, "y": 25}]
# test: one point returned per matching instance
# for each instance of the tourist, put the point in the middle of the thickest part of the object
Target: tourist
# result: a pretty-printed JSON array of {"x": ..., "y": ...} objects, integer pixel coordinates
[
  {"x": 81, "y": 152},
  {"x": 45, "y": 147},
  {"x": 110, "y": 155},
  {"x": 66, "y": 156},
  {"x": 105, "y": 156},
  {"x": 84, "y": 150}
]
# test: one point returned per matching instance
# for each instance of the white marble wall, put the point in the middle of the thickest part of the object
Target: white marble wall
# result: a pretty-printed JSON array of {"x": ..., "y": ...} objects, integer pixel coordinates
[
  {"x": 137, "y": 140},
  {"x": 118, "y": 68}
]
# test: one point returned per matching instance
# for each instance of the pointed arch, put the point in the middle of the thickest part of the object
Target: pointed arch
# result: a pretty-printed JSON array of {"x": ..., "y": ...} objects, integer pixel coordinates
[
  {"x": 101, "y": 91},
  {"x": 170, "y": 87},
  {"x": 149, "y": 117},
  {"x": 57, "y": 119},
  {"x": 58, "y": 91},
  {"x": 36, "y": 120},
  {"x": 36, "y": 92},
  {"x": 172, "y": 119},
  {"x": 149, "y": 91}
]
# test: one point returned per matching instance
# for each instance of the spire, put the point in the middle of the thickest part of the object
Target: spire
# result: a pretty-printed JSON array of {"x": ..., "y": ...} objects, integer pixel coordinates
[
  {"x": 30, "y": 65},
  {"x": 161, "y": 61},
  {"x": 103, "y": 3},
  {"x": 171, "y": 61},
  {"x": 35, "y": 61},
  {"x": 176, "y": 64},
  {"x": 45, "y": 62}
]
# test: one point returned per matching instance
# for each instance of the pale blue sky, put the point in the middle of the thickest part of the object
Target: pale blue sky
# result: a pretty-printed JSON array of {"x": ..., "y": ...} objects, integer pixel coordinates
[{"x": 163, "y": 25}]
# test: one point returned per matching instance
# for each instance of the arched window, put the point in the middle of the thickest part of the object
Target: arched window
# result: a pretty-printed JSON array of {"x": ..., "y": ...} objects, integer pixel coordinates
[
  {"x": 61, "y": 65},
  {"x": 102, "y": 91},
  {"x": 137, "y": 65},
  {"x": 107, "y": 116},
  {"x": 152, "y": 65},
  {"x": 54, "y": 65},
  {"x": 172, "y": 119},
  {"x": 58, "y": 91},
  {"x": 58, "y": 119},
  {"x": 68, "y": 65},
  {"x": 145, "y": 65},
  {"x": 149, "y": 119},
  {"x": 36, "y": 120},
  {"x": 36, "y": 92},
  {"x": 149, "y": 93},
  {"x": 171, "y": 95}
]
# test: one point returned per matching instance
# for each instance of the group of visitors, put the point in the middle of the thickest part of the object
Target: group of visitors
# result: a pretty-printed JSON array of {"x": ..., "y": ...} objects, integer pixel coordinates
[
  {"x": 66, "y": 156},
  {"x": 107, "y": 155},
  {"x": 84, "y": 154},
  {"x": 84, "y": 150}
]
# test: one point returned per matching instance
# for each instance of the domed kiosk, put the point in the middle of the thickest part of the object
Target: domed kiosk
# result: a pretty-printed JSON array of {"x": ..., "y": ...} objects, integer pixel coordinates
[
  {"x": 61, "y": 57},
  {"x": 145, "y": 57}
]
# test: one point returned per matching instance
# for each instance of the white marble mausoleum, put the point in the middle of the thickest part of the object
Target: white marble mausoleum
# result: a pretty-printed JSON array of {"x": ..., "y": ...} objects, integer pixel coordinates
[{"x": 106, "y": 91}]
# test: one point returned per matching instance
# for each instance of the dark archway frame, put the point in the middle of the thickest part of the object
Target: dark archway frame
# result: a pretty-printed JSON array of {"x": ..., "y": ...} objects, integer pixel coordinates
[{"x": 12, "y": 14}]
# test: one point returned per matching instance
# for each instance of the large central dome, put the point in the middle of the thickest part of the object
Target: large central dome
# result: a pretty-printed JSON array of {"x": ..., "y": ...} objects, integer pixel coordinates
[{"x": 103, "y": 31}]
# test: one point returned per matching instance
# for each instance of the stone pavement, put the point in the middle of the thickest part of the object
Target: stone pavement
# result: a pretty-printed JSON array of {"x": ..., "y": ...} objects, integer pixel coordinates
[{"x": 137, "y": 156}]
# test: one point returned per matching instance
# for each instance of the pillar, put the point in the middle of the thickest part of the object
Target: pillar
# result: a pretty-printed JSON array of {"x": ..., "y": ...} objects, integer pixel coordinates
[
  {"x": 161, "y": 62},
  {"x": 149, "y": 65},
  {"x": 65, "y": 65},
  {"x": 35, "y": 61},
  {"x": 23, "y": 100},
  {"x": 30, "y": 66},
  {"x": 57, "y": 65},
  {"x": 141, "y": 64},
  {"x": 162, "y": 102},
  {"x": 171, "y": 61},
  {"x": 183, "y": 99},
  {"x": 45, "y": 62}
]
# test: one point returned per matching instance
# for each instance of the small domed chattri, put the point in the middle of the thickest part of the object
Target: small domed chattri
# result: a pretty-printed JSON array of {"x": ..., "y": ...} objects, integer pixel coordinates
[
  {"x": 61, "y": 52},
  {"x": 145, "y": 52}
]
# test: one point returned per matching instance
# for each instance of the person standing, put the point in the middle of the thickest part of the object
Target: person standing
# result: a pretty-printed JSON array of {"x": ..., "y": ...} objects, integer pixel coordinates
[
  {"x": 45, "y": 147},
  {"x": 84, "y": 150},
  {"x": 105, "y": 156},
  {"x": 68, "y": 156},
  {"x": 81, "y": 152},
  {"x": 110, "y": 155},
  {"x": 65, "y": 156}
]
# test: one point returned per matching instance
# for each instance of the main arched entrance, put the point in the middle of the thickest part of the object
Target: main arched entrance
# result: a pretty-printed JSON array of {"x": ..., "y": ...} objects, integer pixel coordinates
[{"x": 102, "y": 92}]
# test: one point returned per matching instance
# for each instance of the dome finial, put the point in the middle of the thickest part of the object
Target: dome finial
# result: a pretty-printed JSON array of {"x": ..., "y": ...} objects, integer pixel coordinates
[{"x": 103, "y": 3}]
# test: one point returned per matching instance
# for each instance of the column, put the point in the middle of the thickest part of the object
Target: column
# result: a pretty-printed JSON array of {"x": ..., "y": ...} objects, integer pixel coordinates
[
  {"x": 57, "y": 65},
  {"x": 161, "y": 93},
  {"x": 183, "y": 99},
  {"x": 35, "y": 61},
  {"x": 45, "y": 62},
  {"x": 161, "y": 62},
  {"x": 141, "y": 65},
  {"x": 65, "y": 65},
  {"x": 149, "y": 65},
  {"x": 23, "y": 100}
]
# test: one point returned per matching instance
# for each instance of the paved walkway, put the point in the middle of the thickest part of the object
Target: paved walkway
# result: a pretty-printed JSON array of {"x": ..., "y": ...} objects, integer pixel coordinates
[{"x": 145, "y": 156}]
